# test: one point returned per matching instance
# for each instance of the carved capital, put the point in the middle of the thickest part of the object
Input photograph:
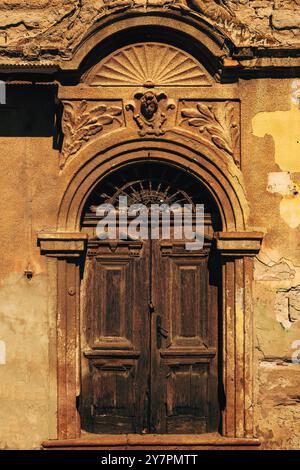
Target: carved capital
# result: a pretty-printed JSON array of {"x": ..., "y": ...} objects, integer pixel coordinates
[
  {"x": 62, "y": 245},
  {"x": 236, "y": 244}
]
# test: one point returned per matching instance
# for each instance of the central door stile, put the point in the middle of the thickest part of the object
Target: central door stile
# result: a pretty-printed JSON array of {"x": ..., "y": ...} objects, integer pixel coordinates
[
  {"x": 152, "y": 313},
  {"x": 158, "y": 395},
  {"x": 141, "y": 332}
]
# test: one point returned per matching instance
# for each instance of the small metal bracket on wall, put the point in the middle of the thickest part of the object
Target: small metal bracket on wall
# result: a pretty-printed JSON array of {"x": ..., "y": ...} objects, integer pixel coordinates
[{"x": 28, "y": 273}]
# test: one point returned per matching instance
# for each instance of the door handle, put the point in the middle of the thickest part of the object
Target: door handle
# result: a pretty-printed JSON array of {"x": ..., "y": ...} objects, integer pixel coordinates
[
  {"x": 151, "y": 307},
  {"x": 160, "y": 332}
]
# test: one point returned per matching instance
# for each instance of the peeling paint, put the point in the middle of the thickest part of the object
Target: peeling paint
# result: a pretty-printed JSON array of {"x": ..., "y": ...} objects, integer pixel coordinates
[
  {"x": 296, "y": 352},
  {"x": 273, "y": 271},
  {"x": 287, "y": 306},
  {"x": 2, "y": 353},
  {"x": 295, "y": 92},
  {"x": 284, "y": 127},
  {"x": 290, "y": 211},
  {"x": 282, "y": 183}
]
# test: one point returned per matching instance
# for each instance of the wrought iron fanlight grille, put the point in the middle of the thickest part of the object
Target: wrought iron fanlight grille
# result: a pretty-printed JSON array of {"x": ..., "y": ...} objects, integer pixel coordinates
[{"x": 150, "y": 183}]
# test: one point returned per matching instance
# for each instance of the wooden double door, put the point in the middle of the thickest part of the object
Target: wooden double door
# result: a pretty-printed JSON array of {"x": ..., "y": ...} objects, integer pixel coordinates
[{"x": 149, "y": 338}]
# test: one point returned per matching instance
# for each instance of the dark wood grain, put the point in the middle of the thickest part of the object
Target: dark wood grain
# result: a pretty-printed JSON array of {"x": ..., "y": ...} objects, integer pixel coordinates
[{"x": 150, "y": 363}]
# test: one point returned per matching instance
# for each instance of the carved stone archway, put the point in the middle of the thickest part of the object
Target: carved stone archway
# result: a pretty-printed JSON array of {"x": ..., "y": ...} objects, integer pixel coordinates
[
  {"x": 126, "y": 110},
  {"x": 237, "y": 247}
]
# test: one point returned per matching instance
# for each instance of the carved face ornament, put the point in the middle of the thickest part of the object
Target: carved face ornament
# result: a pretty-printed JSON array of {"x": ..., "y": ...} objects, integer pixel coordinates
[
  {"x": 148, "y": 112},
  {"x": 149, "y": 105}
]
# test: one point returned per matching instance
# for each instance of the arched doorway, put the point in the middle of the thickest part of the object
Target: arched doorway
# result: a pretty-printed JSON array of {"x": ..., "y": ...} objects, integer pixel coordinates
[
  {"x": 125, "y": 134},
  {"x": 150, "y": 350},
  {"x": 236, "y": 244}
]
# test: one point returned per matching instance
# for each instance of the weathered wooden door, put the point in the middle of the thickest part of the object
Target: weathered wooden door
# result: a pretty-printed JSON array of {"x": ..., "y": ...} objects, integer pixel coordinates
[
  {"x": 150, "y": 338},
  {"x": 115, "y": 394},
  {"x": 183, "y": 348}
]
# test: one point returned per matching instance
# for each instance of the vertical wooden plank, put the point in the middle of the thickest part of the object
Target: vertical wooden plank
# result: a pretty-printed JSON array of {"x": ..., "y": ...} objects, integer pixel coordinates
[
  {"x": 207, "y": 309},
  {"x": 214, "y": 284},
  {"x": 141, "y": 334},
  {"x": 158, "y": 393}
]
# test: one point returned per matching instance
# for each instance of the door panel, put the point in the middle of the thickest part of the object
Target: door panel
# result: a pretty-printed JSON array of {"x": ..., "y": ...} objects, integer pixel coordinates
[
  {"x": 113, "y": 402},
  {"x": 184, "y": 367},
  {"x": 115, "y": 366},
  {"x": 187, "y": 398},
  {"x": 113, "y": 306},
  {"x": 187, "y": 302}
]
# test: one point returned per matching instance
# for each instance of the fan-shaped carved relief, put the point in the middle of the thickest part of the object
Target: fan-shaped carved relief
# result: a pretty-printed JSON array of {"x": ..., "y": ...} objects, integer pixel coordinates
[{"x": 148, "y": 64}]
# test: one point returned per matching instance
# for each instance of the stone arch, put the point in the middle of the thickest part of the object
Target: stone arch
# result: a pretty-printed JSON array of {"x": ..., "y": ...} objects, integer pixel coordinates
[
  {"x": 211, "y": 171},
  {"x": 213, "y": 43},
  {"x": 236, "y": 246}
]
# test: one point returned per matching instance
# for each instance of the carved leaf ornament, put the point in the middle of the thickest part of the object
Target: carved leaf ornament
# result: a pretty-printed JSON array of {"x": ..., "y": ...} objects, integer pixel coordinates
[
  {"x": 80, "y": 124},
  {"x": 222, "y": 130}
]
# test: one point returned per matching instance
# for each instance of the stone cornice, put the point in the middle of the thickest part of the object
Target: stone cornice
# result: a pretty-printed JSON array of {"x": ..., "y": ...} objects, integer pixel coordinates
[{"x": 53, "y": 46}]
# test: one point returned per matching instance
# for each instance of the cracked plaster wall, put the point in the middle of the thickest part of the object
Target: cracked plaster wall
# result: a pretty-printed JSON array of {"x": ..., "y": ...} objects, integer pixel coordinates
[{"x": 271, "y": 169}]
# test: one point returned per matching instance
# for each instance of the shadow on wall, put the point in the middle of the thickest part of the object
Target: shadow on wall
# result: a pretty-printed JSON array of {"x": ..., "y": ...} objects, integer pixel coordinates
[{"x": 31, "y": 111}]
